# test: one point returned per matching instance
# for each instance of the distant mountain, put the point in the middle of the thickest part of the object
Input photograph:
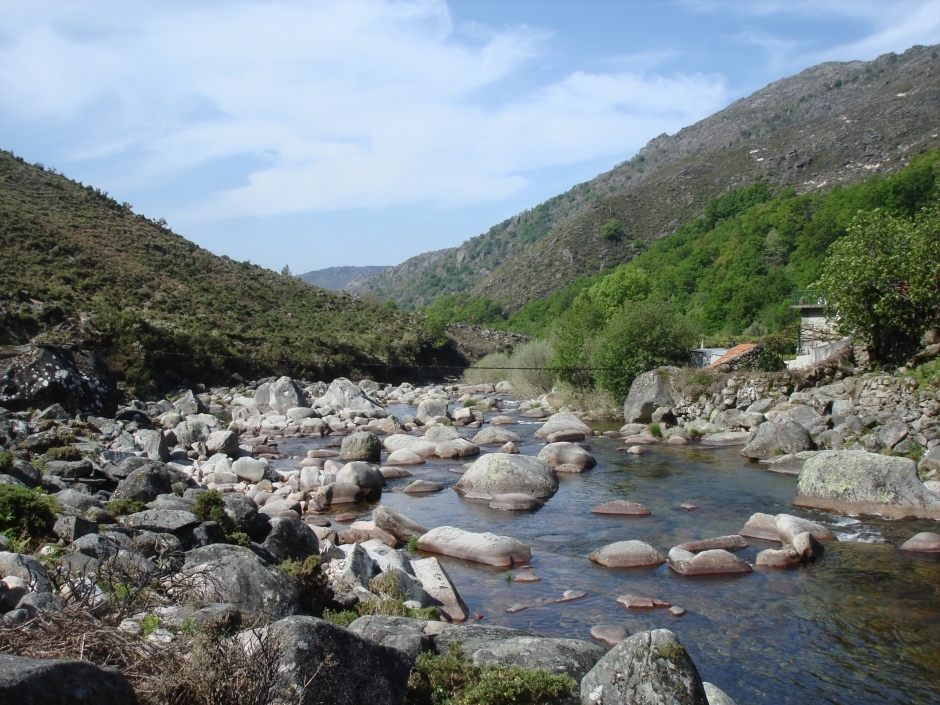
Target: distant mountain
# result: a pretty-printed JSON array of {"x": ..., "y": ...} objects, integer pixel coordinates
[
  {"x": 335, "y": 278},
  {"x": 835, "y": 123}
]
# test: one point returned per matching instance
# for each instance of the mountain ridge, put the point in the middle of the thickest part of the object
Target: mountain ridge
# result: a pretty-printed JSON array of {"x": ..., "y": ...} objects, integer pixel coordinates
[{"x": 833, "y": 123}]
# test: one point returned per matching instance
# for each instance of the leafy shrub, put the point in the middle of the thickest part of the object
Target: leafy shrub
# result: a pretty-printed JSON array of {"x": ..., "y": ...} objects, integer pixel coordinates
[
  {"x": 612, "y": 229},
  {"x": 449, "y": 679},
  {"x": 210, "y": 506},
  {"x": 315, "y": 590},
  {"x": 656, "y": 430},
  {"x": 6, "y": 459},
  {"x": 489, "y": 369},
  {"x": 413, "y": 543},
  {"x": 529, "y": 369},
  {"x": 70, "y": 453},
  {"x": 769, "y": 361},
  {"x": 25, "y": 511},
  {"x": 643, "y": 336},
  {"x": 149, "y": 624},
  {"x": 123, "y": 507},
  {"x": 343, "y": 618}
]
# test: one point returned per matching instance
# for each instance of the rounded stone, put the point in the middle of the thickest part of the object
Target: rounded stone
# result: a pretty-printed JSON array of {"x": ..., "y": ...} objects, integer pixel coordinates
[
  {"x": 499, "y": 473},
  {"x": 621, "y": 507},
  {"x": 609, "y": 634},
  {"x": 516, "y": 502},
  {"x": 628, "y": 554},
  {"x": 924, "y": 542}
]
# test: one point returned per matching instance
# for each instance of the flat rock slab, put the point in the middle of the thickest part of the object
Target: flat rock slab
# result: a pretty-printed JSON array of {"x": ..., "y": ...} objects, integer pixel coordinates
[
  {"x": 516, "y": 502},
  {"x": 161, "y": 520},
  {"x": 345, "y": 518},
  {"x": 727, "y": 438},
  {"x": 676, "y": 611},
  {"x": 495, "y": 436},
  {"x": 404, "y": 456},
  {"x": 437, "y": 583},
  {"x": 610, "y": 634},
  {"x": 628, "y": 554},
  {"x": 516, "y": 608},
  {"x": 640, "y": 440},
  {"x": 638, "y": 450},
  {"x": 790, "y": 464},
  {"x": 569, "y": 595},
  {"x": 778, "y": 558},
  {"x": 391, "y": 473},
  {"x": 728, "y": 543},
  {"x": 423, "y": 487},
  {"x": 525, "y": 578},
  {"x": 677, "y": 441},
  {"x": 564, "y": 436},
  {"x": 713, "y": 562},
  {"x": 924, "y": 542},
  {"x": 789, "y": 526},
  {"x": 634, "y": 602},
  {"x": 502, "y": 420},
  {"x": 621, "y": 507},
  {"x": 501, "y": 551},
  {"x": 761, "y": 526}
]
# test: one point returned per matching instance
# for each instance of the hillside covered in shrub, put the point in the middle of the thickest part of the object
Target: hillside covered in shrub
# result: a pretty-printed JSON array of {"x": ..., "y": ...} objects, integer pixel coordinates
[{"x": 81, "y": 268}]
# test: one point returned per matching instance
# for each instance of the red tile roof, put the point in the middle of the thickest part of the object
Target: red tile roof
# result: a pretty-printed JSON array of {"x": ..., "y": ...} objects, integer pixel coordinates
[{"x": 731, "y": 354}]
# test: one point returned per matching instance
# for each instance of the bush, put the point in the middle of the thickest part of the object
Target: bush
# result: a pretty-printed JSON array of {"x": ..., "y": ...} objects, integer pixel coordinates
[
  {"x": 769, "y": 361},
  {"x": 210, "y": 506},
  {"x": 489, "y": 369},
  {"x": 70, "y": 453},
  {"x": 315, "y": 590},
  {"x": 612, "y": 230},
  {"x": 529, "y": 369},
  {"x": 123, "y": 507},
  {"x": 25, "y": 512},
  {"x": 450, "y": 679},
  {"x": 6, "y": 460},
  {"x": 643, "y": 336}
]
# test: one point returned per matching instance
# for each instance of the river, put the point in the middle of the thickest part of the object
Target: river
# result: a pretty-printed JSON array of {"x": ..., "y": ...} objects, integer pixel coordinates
[{"x": 860, "y": 625}]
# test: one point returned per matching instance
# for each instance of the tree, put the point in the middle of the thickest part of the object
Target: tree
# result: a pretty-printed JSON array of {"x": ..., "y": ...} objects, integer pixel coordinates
[
  {"x": 883, "y": 278},
  {"x": 642, "y": 336},
  {"x": 286, "y": 271},
  {"x": 612, "y": 229}
]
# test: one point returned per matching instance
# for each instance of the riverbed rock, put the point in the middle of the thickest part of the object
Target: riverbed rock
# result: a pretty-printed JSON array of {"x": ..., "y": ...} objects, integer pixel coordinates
[
  {"x": 650, "y": 391},
  {"x": 924, "y": 542},
  {"x": 404, "y": 456},
  {"x": 716, "y": 696},
  {"x": 439, "y": 434},
  {"x": 563, "y": 421},
  {"x": 457, "y": 448},
  {"x": 761, "y": 526},
  {"x": 343, "y": 394},
  {"x": 621, "y": 507},
  {"x": 417, "y": 445},
  {"x": 609, "y": 634},
  {"x": 789, "y": 526},
  {"x": 769, "y": 439},
  {"x": 250, "y": 469},
  {"x": 501, "y": 551},
  {"x": 161, "y": 520},
  {"x": 225, "y": 442},
  {"x": 648, "y": 668},
  {"x": 437, "y": 583},
  {"x": 326, "y": 663},
  {"x": 516, "y": 502},
  {"x": 627, "y": 554},
  {"x": 31, "y": 681},
  {"x": 431, "y": 409},
  {"x": 364, "y": 475},
  {"x": 290, "y": 539},
  {"x": 556, "y": 454},
  {"x": 501, "y": 473},
  {"x": 145, "y": 483},
  {"x": 398, "y": 525},
  {"x": 732, "y": 542},
  {"x": 237, "y": 576},
  {"x": 495, "y": 436},
  {"x": 726, "y": 438},
  {"x": 423, "y": 487},
  {"x": 285, "y": 394},
  {"x": 785, "y": 557},
  {"x": 712, "y": 562},
  {"x": 790, "y": 464},
  {"x": 363, "y": 446},
  {"x": 856, "y": 482},
  {"x": 807, "y": 546}
]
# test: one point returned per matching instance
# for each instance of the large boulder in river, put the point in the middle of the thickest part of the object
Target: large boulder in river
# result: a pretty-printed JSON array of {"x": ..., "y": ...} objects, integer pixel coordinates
[
  {"x": 363, "y": 475},
  {"x": 322, "y": 662},
  {"x": 556, "y": 454},
  {"x": 627, "y": 554},
  {"x": 431, "y": 409},
  {"x": 32, "y": 681},
  {"x": 236, "y": 575},
  {"x": 770, "y": 439},
  {"x": 398, "y": 525},
  {"x": 495, "y": 436},
  {"x": 563, "y": 421},
  {"x": 361, "y": 446},
  {"x": 502, "y": 473},
  {"x": 343, "y": 394},
  {"x": 856, "y": 482},
  {"x": 648, "y": 668},
  {"x": 650, "y": 391},
  {"x": 501, "y": 551},
  {"x": 190, "y": 405},
  {"x": 285, "y": 394},
  {"x": 38, "y": 376}
]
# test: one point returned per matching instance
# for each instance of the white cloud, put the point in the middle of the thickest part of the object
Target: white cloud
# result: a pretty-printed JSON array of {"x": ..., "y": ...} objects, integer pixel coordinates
[{"x": 349, "y": 103}]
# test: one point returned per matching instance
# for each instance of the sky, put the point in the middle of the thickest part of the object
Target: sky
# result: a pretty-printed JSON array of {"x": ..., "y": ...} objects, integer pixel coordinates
[{"x": 363, "y": 132}]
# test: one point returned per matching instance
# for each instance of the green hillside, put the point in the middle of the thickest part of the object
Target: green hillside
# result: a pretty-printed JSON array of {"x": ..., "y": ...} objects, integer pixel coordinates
[
  {"x": 832, "y": 124},
  {"x": 81, "y": 268},
  {"x": 731, "y": 270}
]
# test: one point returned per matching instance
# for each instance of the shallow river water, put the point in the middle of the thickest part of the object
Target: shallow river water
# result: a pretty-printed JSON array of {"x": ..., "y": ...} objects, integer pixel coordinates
[{"x": 860, "y": 625}]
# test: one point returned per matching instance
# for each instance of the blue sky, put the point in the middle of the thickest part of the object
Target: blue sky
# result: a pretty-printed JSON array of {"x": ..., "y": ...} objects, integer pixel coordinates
[{"x": 356, "y": 132}]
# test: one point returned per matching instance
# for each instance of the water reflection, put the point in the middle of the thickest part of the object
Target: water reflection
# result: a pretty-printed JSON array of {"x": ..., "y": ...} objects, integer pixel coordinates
[{"x": 861, "y": 625}]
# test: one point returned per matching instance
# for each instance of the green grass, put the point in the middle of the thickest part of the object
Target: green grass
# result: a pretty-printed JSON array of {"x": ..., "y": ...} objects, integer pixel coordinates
[{"x": 123, "y": 507}]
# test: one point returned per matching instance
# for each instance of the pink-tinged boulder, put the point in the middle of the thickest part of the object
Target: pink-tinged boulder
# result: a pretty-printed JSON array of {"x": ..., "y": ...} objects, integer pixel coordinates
[
  {"x": 637, "y": 450},
  {"x": 677, "y": 441},
  {"x": 400, "y": 440},
  {"x": 728, "y": 543},
  {"x": 761, "y": 526},
  {"x": 609, "y": 634},
  {"x": 556, "y": 454},
  {"x": 789, "y": 526},
  {"x": 784, "y": 557},
  {"x": 423, "y": 487},
  {"x": 621, "y": 507},
  {"x": 640, "y": 440},
  {"x": 404, "y": 456},
  {"x": 564, "y": 437},
  {"x": 569, "y": 595},
  {"x": 503, "y": 420},
  {"x": 562, "y": 422},
  {"x": 924, "y": 542},
  {"x": 628, "y": 554},
  {"x": 501, "y": 551},
  {"x": 516, "y": 502},
  {"x": 495, "y": 436},
  {"x": 713, "y": 562},
  {"x": 509, "y": 448},
  {"x": 635, "y": 602},
  {"x": 457, "y": 448},
  {"x": 807, "y": 546}
]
